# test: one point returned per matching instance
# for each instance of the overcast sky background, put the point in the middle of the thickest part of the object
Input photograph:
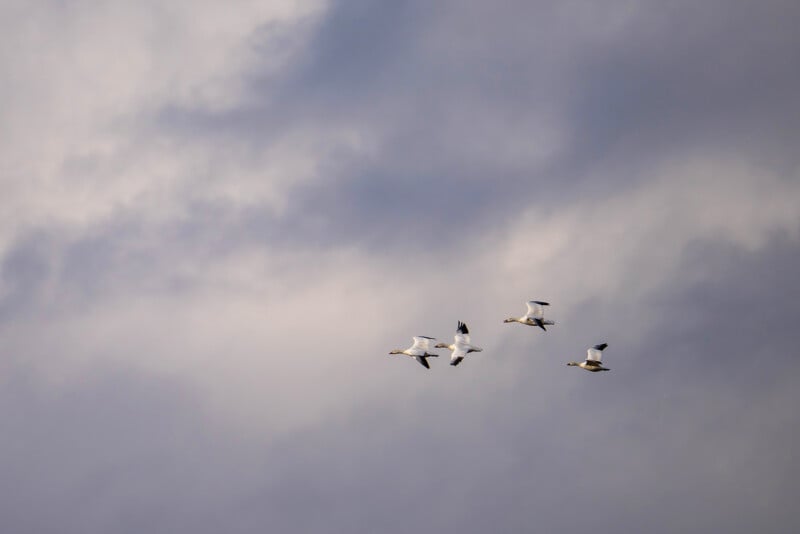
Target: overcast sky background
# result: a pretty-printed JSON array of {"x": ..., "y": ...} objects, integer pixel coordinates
[{"x": 217, "y": 219}]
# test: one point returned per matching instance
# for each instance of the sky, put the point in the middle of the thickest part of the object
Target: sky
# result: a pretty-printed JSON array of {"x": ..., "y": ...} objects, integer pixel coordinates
[{"x": 217, "y": 219}]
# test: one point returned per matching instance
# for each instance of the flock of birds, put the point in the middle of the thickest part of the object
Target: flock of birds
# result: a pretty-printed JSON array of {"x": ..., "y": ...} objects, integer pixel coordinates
[{"x": 462, "y": 345}]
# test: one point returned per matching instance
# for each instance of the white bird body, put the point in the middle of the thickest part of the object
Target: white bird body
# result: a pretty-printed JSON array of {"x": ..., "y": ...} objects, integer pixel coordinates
[
  {"x": 594, "y": 358},
  {"x": 461, "y": 345},
  {"x": 534, "y": 315},
  {"x": 419, "y": 350}
]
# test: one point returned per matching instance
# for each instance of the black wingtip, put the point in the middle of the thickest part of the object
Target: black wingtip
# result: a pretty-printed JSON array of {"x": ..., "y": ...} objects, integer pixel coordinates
[
  {"x": 601, "y": 346},
  {"x": 462, "y": 328},
  {"x": 541, "y": 302}
]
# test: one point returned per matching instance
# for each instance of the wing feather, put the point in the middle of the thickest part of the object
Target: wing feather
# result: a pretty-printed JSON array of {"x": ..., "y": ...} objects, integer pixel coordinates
[
  {"x": 461, "y": 339},
  {"x": 458, "y": 354},
  {"x": 595, "y": 354},
  {"x": 536, "y": 308},
  {"x": 422, "y": 343}
]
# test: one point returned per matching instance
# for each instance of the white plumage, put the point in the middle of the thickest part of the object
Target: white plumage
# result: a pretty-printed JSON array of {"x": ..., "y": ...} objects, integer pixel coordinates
[
  {"x": 419, "y": 350},
  {"x": 461, "y": 345},
  {"x": 534, "y": 315},
  {"x": 594, "y": 357},
  {"x": 536, "y": 309}
]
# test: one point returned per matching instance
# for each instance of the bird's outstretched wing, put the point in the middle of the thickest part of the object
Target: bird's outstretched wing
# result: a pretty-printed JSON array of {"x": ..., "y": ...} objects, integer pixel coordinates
[
  {"x": 423, "y": 361},
  {"x": 462, "y": 334},
  {"x": 536, "y": 309},
  {"x": 422, "y": 343},
  {"x": 595, "y": 354},
  {"x": 458, "y": 354}
]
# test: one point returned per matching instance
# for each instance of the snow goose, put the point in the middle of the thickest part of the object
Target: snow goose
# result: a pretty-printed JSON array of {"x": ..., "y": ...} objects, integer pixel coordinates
[
  {"x": 461, "y": 345},
  {"x": 593, "y": 357},
  {"x": 534, "y": 317},
  {"x": 419, "y": 350}
]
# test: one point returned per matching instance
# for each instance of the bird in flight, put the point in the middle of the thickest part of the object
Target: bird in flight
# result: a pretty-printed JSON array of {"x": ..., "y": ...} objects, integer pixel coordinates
[
  {"x": 419, "y": 350},
  {"x": 534, "y": 315},
  {"x": 593, "y": 359},
  {"x": 461, "y": 345}
]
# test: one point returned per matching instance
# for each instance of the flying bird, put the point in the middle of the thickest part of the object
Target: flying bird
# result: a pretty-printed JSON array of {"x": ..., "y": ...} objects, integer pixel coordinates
[
  {"x": 534, "y": 316},
  {"x": 461, "y": 345},
  {"x": 419, "y": 350},
  {"x": 593, "y": 357}
]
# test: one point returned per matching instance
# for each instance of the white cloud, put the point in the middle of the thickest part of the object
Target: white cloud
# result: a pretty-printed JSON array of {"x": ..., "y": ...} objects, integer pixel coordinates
[
  {"x": 627, "y": 243},
  {"x": 284, "y": 338},
  {"x": 265, "y": 340},
  {"x": 80, "y": 79}
]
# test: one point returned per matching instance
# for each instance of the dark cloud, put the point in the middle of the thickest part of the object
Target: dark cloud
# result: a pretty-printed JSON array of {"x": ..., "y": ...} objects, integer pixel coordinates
[
  {"x": 469, "y": 114},
  {"x": 442, "y": 93},
  {"x": 24, "y": 271},
  {"x": 374, "y": 39},
  {"x": 117, "y": 450},
  {"x": 693, "y": 429},
  {"x": 684, "y": 75}
]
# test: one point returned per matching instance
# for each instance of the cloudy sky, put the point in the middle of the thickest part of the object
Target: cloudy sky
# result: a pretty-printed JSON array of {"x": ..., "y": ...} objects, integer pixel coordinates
[{"x": 218, "y": 218}]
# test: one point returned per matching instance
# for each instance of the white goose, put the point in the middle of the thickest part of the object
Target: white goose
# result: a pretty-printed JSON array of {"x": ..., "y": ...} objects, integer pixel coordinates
[
  {"x": 461, "y": 346},
  {"x": 419, "y": 350},
  {"x": 593, "y": 358},
  {"x": 534, "y": 317}
]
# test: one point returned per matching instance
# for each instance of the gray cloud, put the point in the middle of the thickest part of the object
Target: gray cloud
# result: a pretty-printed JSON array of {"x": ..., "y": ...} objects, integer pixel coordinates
[
  {"x": 196, "y": 305},
  {"x": 717, "y": 74},
  {"x": 119, "y": 451},
  {"x": 24, "y": 272},
  {"x": 443, "y": 94},
  {"x": 693, "y": 430}
]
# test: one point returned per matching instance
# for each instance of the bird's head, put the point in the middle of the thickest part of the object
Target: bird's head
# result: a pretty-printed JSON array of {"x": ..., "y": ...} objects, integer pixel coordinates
[
  {"x": 441, "y": 346},
  {"x": 396, "y": 351},
  {"x": 572, "y": 363},
  {"x": 510, "y": 320}
]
